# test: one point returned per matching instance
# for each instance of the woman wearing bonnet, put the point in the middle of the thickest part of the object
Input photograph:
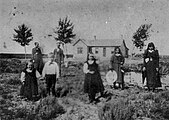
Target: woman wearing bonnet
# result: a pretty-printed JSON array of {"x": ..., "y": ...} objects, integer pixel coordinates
[{"x": 151, "y": 67}]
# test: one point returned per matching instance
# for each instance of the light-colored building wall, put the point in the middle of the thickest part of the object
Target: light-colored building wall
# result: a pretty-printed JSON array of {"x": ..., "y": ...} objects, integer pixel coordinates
[
  {"x": 99, "y": 53},
  {"x": 83, "y": 55}
]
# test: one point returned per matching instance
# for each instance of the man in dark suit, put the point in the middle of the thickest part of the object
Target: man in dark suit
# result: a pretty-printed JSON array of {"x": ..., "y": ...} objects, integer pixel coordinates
[
  {"x": 59, "y": 57},
  {"x": 37, "y": 57}
]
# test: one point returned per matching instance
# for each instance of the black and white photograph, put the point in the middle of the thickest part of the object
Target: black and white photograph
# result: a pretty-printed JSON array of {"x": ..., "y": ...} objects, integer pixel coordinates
[{"x": 84, "y": 60}]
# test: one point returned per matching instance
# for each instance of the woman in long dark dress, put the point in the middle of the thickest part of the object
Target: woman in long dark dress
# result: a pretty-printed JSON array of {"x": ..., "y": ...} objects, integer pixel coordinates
[
  {"x": 93, "y": 83},
  {"x": 151, "y": 67},
  {"x": 116, "y": 62},
  {"x": 29, "y": 88}
]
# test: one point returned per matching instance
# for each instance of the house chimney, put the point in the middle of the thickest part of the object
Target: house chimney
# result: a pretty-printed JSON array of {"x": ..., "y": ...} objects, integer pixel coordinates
[{"x": 95, "y": 37}]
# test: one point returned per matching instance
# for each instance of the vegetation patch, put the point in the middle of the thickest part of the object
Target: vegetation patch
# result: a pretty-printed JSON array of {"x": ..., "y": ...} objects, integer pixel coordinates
[{"x": 149, "y": 105}]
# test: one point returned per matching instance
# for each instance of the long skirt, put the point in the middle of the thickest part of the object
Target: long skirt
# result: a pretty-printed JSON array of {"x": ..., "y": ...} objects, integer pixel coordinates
[
  {"x": 153, "y": 77},
  {"x": 120, "y": 76},
  {"x": 30, "y": 88},
  {"x": 93, "y": 83}
]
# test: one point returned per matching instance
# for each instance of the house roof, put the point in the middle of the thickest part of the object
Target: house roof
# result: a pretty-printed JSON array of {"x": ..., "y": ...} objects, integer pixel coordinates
[{"x": 102, "y": 42}]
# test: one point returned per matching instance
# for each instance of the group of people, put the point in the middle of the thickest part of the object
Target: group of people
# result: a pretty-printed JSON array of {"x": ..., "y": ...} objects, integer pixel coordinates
[
  {"x": 37, "y": 57},
  {"x": 93, "y": 83},
  {"x": 35, "y": 70}
]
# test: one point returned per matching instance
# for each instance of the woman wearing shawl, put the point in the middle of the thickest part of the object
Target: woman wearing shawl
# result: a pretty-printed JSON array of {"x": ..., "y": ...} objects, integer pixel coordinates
[
  {"x": 116, "y": 62},
  {"x": 151, "y": 67}
]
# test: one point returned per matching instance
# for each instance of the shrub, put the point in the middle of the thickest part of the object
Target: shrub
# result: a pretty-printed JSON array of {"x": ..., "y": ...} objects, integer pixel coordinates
[
  {"x": 49, "y": 108},
  {"x": 2, "y": 101},
  {"x": 148, "y": 96},
  {"x": 164, "y": 68},
  {"x": 117, "y": 110},
  {"x": 165, "y": 95},
  {"x": 154, "y": 106},
  {"x": 14, "y": 81},
  {"x": 11, "y": 65},
  {"x": 150, "y": 105},
  {"x": 21, "y": 113}
]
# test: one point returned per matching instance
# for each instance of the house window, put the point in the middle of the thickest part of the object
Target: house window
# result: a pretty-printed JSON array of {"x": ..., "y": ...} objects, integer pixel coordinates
[
  {"x": 112, "y": 50},
  {"x": 104, "y": 52},
  {"x": 96, "y": 50},
  {"x": 80, "y": 50},
  {"x": 89, "y": 49}
]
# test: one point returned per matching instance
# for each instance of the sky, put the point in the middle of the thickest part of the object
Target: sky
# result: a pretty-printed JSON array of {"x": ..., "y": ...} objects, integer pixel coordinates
[{"x": 105, "y": 19}]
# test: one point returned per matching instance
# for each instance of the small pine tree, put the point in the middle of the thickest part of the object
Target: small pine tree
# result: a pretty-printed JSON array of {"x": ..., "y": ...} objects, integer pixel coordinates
[
  {"x": 64, "y": 31},
  {"x": 23, "y": 36},
  {"x": 141, "y": 35}
]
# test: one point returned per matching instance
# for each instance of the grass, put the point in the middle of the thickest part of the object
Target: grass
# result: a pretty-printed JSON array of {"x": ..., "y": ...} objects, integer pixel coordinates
[
  {"x": 14, "y": 107},
  {"x": 150, "y": 105},
  {"x": 49, "y": 108},
  {"x": 128, "y": 104},
  {"x": 117, "y": 110}
]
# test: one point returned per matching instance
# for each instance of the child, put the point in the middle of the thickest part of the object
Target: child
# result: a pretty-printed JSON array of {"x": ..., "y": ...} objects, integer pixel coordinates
[
  {"x": 51, "y": 73},
  {"x": 29, "y": 88},
  {"x": 93, "y": 83}
]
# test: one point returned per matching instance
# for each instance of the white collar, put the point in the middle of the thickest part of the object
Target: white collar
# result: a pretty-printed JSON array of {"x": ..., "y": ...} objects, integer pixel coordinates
[
  {"x": 28, "y": 70},
  {"x": 150, "y": 51},
  {"x": 90, "y": 61},
  {"x": 118, "y": 54}
]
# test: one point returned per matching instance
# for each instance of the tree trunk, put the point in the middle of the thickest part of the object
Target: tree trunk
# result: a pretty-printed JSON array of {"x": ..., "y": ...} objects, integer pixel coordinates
[
  {"x": 133, "y": 53},
  {"x": 25, "y": 51},
  {"x": 65, "y": 50}
]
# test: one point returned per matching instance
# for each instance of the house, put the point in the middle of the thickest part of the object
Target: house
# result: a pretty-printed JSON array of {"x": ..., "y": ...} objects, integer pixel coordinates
[{"x": 102, "y": 48}]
